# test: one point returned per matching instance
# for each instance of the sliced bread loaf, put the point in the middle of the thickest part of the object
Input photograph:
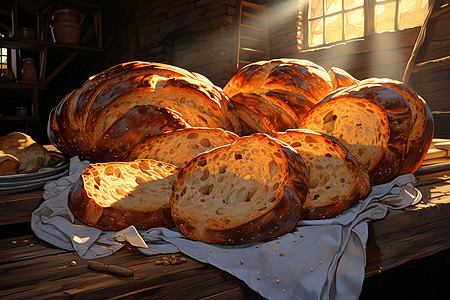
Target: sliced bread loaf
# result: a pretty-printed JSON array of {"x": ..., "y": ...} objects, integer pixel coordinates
[
  {"x": 248, "y": 191},
  {"x": 180, "y": 146},
  {"x": 115, "y": 195},
  {"x": 337, "y": 180},
  {"x": 373, "y": 120}
]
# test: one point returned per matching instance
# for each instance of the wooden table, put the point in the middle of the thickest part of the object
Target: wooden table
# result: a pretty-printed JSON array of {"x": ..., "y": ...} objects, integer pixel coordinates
[{"x": 31, "y": 268}]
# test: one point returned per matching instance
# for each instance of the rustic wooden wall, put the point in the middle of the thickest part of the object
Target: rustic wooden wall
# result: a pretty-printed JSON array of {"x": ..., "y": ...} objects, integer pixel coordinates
[{"x": 196, "y": 35}]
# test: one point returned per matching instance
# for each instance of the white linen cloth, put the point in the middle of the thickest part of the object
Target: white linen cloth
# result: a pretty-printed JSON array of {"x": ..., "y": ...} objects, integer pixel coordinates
[{"x": 320, "y": 259}]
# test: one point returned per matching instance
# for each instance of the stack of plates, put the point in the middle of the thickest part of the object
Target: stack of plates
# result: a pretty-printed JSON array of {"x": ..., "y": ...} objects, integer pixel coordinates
[{"x": 18, "y": 183}]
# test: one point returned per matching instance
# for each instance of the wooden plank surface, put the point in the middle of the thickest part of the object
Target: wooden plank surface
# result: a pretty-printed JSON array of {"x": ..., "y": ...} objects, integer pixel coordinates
[{"x": 33, "y": 269}]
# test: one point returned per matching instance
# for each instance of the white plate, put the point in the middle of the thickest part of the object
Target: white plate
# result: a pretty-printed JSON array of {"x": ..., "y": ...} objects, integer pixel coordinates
[
  {"x": 10, "y": 184},
  {"x": 30, "y": 185}
]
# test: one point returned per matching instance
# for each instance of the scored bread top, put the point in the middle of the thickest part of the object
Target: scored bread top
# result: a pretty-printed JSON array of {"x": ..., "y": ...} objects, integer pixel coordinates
[
  {"x": 245, "y": 192},
  {"x": 180, "y": 146},
  {"x": 374, "y": 122},
  {"x": 337, "y": 179},
  {"x": 115, "y": 195}
]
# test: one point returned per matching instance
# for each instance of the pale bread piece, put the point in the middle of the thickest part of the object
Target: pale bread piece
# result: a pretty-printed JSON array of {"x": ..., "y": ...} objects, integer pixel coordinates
[
  {"x": 337, "y": 179},
  {"x": 32, "y": 156},
  {"x": 249, "y": 191},
  {"x": 373, "y": 120},
  {"x": 178, "y": 147},
  {"x": 9, "y": 164},
  {"x": 115, "y": 195}
]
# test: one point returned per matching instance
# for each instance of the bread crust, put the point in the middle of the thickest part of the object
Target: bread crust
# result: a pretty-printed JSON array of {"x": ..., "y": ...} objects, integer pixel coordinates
[
  {"x": 337, "y": 179},
  {"x": 87, "y": 207},
  {"x": 422, "y": 124},
  {"x": 84, "y": 115},
  {"x": 263, "y": 113},
  {"x": 267, "y": 223}
]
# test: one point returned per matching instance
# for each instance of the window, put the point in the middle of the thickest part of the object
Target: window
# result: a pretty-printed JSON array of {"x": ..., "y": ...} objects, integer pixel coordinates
[
  {"x": 331, "y": 21},
  {"x": 3, "y": 57}
]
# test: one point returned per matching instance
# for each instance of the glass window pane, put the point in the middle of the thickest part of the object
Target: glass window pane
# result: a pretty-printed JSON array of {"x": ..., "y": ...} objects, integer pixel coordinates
[
  {"x": 411, "y": 13},
  {"x": 315, "y": 8},
  {"x": 354, "y": 23},
  {"x": 384, "y": 17},
  {"x": 333, "y": 6},
  {"x": 316, "y": 32},
  {"x": 353, "y": 3},
  {"x": 333, "y": 28}
]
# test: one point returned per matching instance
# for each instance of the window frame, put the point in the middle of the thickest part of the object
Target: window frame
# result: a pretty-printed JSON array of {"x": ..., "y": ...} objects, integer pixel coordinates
[{"x": 369, "y": 22}]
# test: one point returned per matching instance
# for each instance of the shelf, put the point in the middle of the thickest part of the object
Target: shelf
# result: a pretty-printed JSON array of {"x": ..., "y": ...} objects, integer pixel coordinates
[
  {"x": 20, "y": 86},
  {"x": 27, "y": 44},
  {"x": 16, "y": 118}
]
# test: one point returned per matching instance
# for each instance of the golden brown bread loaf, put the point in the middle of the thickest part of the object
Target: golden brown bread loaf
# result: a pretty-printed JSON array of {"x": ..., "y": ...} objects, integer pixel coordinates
[
  {"x": 292, "y": 85},
  {"x": 337, "y": 180},
  {"x": 31, "y": 155},
  {"x": 9, "y": 164},
  {"x": 81, "y": 122},
  {"x": 178, "y": 147},
  {"x": 115, "y": 195},
  {"x": 248, "y": 191},
  {"x": 373, "y": 120}
]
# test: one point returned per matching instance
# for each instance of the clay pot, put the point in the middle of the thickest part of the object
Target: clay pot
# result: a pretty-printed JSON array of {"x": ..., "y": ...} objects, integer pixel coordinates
[
  {"x": 28, "y": 70},
  {"x": 66, "y": 26}
]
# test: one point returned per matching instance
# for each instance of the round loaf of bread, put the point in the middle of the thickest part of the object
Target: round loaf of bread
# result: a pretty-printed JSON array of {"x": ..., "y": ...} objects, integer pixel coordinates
[
  {"x": 337, "y": 180},
  {"x": 248, "y": 191},
  {"x": 293, "y": 86},
  {"x": 373, "y": 120},
  {"x": 106, "y": 101},
  {"x": 115, "y": 195},
  {"x": 178, "y": 147}
]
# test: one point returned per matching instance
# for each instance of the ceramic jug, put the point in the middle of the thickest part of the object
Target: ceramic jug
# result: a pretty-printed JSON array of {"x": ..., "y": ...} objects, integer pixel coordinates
[
  {"x": 66, "y": 26},
  {"x": 28, "y": 70}
]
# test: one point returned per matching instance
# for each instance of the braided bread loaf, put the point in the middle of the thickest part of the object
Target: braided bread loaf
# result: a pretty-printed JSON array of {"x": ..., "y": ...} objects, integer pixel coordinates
[
  {"x": 85, "y": 118},
  {"x": 274, "y": 95}
]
